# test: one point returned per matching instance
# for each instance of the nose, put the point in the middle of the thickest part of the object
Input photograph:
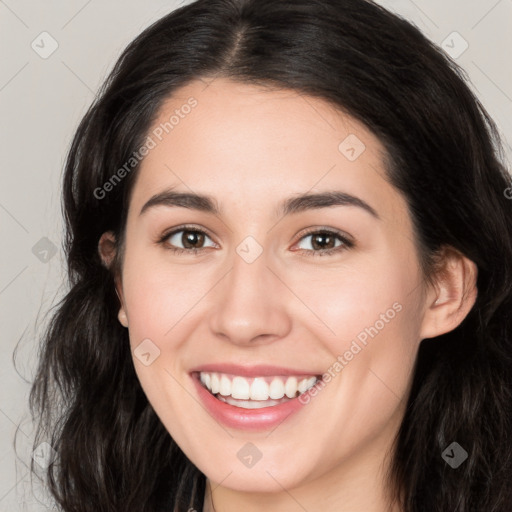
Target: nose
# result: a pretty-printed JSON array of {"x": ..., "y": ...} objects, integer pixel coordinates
[{"x": 250, "y": 304}]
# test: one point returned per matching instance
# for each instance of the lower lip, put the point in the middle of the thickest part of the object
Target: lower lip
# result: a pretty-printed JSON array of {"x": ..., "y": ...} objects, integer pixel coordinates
[{"x": 246, "y": 419}]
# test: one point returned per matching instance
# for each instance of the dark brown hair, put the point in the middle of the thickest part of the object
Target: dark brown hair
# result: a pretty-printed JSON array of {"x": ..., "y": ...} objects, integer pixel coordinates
[{"x": 444, "y": 155}]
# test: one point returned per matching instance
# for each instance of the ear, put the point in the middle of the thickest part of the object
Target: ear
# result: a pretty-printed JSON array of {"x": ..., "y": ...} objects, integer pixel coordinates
[
  {"x": 452, "y": 296},
  {"x": 107, "y": 252}
]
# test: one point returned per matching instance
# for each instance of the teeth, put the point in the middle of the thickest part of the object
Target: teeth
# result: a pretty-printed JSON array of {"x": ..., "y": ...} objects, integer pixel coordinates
[
  {"x": 258, "y": 388},
  {"x": 250, "y": 404},
  {"x": 206, "y": 379},
  {"x": 240, "y": 388},
  {"x": 290, "y": 388},
  {"x": 215, "y": 384},
  {"x": 305, "y": 384},
  {"x": 225, "y": 386},
  {"x": 276, "y": 389}
]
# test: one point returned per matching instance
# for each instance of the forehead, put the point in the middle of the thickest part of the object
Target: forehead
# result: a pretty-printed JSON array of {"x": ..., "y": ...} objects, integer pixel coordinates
[{"x": 248, "y": 143}]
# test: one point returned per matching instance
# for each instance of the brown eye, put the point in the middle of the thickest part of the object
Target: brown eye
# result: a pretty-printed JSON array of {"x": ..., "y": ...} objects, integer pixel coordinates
[
  {"x": 188, "y": 239},
  {"x": 192, "y": 239},
  {"x": 323, "y": 242}
]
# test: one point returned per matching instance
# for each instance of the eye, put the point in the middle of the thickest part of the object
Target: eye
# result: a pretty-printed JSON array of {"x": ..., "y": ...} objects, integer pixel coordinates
[
  {"x": 320, "y": 242},
  {"x": 323, "y": 242},
  {"x": 186, "y": 239}
]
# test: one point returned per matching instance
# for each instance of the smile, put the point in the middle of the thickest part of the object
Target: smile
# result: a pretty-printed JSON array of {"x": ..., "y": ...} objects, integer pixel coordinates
[
  {"x": 255, "y": 392},
  {"x": 257, "y": 399}
]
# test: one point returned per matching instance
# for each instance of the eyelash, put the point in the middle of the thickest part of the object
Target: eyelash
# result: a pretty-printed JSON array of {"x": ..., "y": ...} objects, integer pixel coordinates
[{"x": 346, "y": 243}]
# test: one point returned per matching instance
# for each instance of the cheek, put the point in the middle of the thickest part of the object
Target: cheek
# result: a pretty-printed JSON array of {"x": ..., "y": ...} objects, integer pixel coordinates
[
  {"x": 368, "y": 318},
  {"x": 369, "y": 292},
  {"x": 377, "y": 324},
  {"x": 159, "y": 295}
]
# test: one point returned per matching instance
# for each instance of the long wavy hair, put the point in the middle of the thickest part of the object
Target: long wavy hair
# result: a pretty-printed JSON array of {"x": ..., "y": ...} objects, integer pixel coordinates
[{"x": 443, "y": 153}]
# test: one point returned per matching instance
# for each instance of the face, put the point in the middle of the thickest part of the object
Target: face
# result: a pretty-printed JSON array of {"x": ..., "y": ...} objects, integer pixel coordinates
[{"x": 255, "y": 289}]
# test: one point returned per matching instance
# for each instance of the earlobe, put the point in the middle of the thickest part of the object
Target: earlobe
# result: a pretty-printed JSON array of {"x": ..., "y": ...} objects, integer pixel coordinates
[
  {"x": 453, "y": 295},
  {"x": 123, "y": 320},
  {"x": 121, "y": 315}
]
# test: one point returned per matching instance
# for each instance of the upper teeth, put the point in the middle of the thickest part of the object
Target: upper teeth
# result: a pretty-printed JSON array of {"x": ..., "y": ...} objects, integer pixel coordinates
[{"x": 257, "y": 388}]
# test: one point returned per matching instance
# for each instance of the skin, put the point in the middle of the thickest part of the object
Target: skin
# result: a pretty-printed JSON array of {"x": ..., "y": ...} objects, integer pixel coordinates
[{"x": 251, "y": 148}]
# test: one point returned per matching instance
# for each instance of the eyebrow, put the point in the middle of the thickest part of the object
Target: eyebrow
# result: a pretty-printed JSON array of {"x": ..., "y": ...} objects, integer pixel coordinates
[{"x": 296, "y": 204}]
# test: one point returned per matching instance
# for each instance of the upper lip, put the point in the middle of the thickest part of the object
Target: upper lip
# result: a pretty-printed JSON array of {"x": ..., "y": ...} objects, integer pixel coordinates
[{"x": 257, "y": 370}]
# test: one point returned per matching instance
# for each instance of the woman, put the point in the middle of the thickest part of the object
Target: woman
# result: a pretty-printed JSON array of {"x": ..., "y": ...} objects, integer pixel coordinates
[{"x": 290, "y": 260}]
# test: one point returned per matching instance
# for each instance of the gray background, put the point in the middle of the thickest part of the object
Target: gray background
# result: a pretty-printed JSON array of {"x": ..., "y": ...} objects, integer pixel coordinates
[{"x": 42, "y": 101}]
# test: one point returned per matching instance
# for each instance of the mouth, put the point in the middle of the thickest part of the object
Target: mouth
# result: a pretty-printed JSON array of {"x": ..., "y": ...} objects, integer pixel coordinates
[
  {"x": 259, "y": 402},
  {"x": 255, "y": 392}
]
